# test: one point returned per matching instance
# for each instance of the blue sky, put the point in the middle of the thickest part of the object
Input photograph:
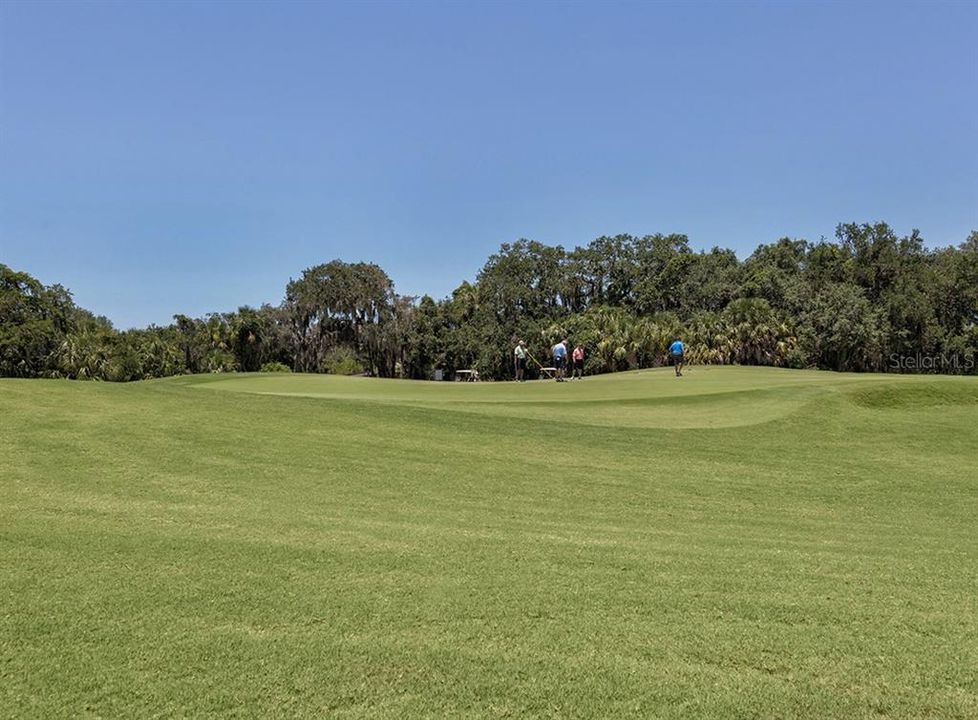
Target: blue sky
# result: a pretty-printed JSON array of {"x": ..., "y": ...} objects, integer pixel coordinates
[{"x": 190, "y": 157}]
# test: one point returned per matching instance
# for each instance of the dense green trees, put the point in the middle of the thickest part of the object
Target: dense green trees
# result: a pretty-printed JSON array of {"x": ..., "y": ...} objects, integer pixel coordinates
[
  {"x": 338, "y": 304},
  {"x": 34, "y": 321},
  {"x": 864, "y": 302}
]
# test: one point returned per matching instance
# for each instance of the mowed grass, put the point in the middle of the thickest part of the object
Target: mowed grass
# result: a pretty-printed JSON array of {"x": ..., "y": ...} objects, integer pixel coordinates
[{"x": 738, "y": 543}]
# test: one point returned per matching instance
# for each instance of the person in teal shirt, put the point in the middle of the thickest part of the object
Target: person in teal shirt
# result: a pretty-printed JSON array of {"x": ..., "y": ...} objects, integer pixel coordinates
[{"x": 677, "y": 351}]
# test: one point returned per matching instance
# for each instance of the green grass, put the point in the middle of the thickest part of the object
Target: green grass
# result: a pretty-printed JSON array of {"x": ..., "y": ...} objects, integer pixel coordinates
[{"x": 738, "y": 543}]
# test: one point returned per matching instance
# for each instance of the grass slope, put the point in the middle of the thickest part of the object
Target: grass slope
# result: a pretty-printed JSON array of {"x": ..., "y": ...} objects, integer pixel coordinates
[{"x": 739, "y": 543}]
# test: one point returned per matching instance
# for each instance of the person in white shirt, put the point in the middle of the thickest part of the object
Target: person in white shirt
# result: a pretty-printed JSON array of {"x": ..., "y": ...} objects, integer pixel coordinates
[{"x": 519, "y": 360}]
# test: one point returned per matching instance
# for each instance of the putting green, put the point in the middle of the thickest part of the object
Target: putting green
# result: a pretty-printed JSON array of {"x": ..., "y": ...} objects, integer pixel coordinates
[
  {"x": 737, "y": 543},
  {"x": 704, "y": 397}
]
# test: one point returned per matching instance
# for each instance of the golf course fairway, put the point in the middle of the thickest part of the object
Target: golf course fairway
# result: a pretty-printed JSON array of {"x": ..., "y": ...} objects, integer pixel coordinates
[{"x": 736, "y": 543}]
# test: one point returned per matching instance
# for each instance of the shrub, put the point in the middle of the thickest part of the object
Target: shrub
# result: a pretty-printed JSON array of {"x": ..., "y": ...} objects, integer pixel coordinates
[
  {"x": 341, "y": 360},
  {"x": 275, "y": 367}
]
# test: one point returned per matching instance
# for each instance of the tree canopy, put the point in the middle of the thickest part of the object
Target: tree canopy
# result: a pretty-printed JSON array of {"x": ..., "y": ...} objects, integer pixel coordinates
[{"x": 863, "y": 302}]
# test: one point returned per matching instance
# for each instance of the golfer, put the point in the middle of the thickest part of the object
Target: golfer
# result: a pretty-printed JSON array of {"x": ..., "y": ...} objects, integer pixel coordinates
[
  {"x": 519, "y": 360},
  {"x": 578, "y": 357},
  {"x": 559, "y": 352},
  {"x": 677, "y": 351}
]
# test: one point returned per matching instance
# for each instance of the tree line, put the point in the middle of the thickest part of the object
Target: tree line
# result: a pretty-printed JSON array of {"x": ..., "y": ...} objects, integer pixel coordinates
[{"x": 869, "y": 300}]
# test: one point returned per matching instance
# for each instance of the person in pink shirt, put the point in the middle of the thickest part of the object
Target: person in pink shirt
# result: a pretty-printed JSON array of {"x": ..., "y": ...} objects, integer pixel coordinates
[{"x": 578, "y": 357}]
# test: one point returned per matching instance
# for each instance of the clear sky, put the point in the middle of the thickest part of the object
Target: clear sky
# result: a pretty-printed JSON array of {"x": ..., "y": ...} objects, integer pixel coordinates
[{"x": 190, "y": 157}]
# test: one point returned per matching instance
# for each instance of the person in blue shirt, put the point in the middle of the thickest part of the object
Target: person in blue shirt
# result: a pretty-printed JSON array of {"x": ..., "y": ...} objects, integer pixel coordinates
[
  {"x": 677, "y": 352},
  {"x": 559, "y": 351}
]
